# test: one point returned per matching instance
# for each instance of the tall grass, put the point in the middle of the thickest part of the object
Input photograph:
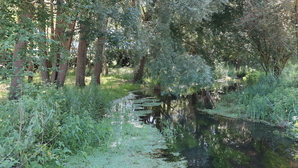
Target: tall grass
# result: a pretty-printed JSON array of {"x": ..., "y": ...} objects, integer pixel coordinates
[
  {"x": 274, "y": 100},
  {"x": 41, "y": 129},
  {"x": 48, "y": 124}
]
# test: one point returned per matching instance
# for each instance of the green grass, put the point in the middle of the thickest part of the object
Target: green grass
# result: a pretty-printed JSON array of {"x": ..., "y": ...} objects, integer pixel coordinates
[
  {"x": 116, "y": 83},
  {"x": 264, "y": 99}
]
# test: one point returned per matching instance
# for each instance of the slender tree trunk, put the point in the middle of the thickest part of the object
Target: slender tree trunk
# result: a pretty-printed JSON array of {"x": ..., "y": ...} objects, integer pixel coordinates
[
  {"x": 82, "y": 57},
  {"x": 139, "y": 73},
  {"x": 63, "y": 67},
  {"x": 105, "y": 65},
  {"x": 19, "y": 55},
  {"x": 60, "y": 63},
  {"x": 98, "y": 62},
  {"x": 30, "y": 69},
  {"x": 16, "y": 80},
  {"x": 99, "y": 55},
  {"x": 45, "y": 76},
  {"x": 58, "y": 35}
]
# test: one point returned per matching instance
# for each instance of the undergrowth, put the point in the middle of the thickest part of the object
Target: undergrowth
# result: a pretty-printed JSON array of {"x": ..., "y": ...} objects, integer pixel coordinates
[
  {"x": 267, "y": 98},
  {"x": 46, "y": 125}
]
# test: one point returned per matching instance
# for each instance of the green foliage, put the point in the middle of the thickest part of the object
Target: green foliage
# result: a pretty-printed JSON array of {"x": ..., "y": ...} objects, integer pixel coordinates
[
  {"x": 221, "y": 70},
  {"x": 271, "y": 161},
  {"x": 269, "y": 28},
  {"x": 181, "y": 72},
  {"x": 269, "y": 99},
  {"x": 252, "y": 77},
  {"x": 45, "y": 128},
  {"x": 295, "y": 131},
  {"x": 227, "y": 157}
]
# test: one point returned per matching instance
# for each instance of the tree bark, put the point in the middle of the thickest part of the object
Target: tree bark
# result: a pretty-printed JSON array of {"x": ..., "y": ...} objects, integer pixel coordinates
[
  {"x": 19, "y": 55},
  {"x": 45, "y": 76},
  {"x": 105, "y": 65},
  {"x": 139, "y": 73},
  {"x": 82, "y": 57},
  {"x": 16, "y": 80},
  {"x": 98, "y": 61},
  {"x": 58, "y": 37},
  {"x": 99, "y": 55},
  {"x": 30, "y": 69},
  {"x": 63, "y": 67}
]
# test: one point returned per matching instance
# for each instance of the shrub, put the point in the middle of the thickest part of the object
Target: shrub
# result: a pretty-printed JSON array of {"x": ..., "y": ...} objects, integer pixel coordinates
[{"x": 252, "y": 77}]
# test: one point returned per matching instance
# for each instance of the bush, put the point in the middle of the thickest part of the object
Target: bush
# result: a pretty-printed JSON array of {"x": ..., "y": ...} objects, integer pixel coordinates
[{"x": 252, "y": 77}]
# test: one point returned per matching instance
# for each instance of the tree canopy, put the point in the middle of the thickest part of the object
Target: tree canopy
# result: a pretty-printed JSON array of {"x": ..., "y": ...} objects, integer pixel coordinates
[{"x": 175, "y": 42}]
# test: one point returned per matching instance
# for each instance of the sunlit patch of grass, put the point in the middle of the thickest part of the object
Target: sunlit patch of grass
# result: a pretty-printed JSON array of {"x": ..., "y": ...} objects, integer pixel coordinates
[
  {"x": 124, "y": 73},
  {"x": 117, "y": 87},
  {"x": 4, "y": 86},
  {"x": 117, "y": 82}
]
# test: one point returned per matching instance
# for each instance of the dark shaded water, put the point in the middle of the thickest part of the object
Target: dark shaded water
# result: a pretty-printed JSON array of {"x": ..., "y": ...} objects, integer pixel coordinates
[{"x": 208, "y": 141}]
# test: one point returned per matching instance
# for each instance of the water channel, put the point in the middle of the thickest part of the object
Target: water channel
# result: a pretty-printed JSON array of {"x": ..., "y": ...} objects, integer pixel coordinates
[{"x": 208, "y": 141}]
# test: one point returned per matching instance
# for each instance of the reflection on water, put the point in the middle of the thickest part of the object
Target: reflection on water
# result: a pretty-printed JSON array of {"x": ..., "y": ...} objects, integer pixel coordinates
[{"x": 219, "y": 142}]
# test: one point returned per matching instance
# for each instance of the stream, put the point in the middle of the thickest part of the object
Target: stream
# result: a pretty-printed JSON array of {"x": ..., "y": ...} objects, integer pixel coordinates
[{"x": 209, "y": 141}]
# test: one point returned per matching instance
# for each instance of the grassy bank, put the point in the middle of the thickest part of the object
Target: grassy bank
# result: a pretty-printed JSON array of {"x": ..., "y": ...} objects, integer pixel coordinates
[{"x": 263, "y": 98}]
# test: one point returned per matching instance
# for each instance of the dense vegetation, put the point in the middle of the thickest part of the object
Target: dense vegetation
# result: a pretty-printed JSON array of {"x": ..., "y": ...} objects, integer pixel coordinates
[{"x": 241, "y": 54}]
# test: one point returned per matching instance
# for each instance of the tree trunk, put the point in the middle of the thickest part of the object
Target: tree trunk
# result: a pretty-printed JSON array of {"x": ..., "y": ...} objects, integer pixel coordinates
[
  {"x": 58, "y": 37},
  {"x": 98, "y": 61},
  {"x": 105, "y": 64},
  {"x": 16, "y": 80},
  {"x": 45, "y": 76},
  {"x": 139, "y": 73},
  {"x": 99, "y": 55},
  {"x": 30, "y": 69},
  {"x": 19, "y": 55},
  {"x": 63, "y": 67},
  {"x": 82, "y": 57}
]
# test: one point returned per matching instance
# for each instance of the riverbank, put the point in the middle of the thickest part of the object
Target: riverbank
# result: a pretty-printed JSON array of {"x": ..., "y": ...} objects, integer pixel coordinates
[{"x": 133, "y": 143}]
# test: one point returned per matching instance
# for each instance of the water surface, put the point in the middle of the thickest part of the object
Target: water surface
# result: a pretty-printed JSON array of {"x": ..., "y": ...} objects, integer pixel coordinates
[{"x": 208, "y": 141}]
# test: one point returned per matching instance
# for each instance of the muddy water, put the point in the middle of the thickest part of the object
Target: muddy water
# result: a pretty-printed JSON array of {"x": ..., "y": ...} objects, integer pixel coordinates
[{"x": 207, "y": 141}]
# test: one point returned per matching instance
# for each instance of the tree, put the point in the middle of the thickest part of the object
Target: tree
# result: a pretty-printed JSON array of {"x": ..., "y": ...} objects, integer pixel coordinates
[
  {"x": 19, "y": 53},
  {"x": 82, "y": 55},
  {"x": 65, "y": 25},
  {"x": 219, "y": 39},
  {"x": 44, "y": 70},
  {"x": 101, "y": 24},
  {"x": 268, "y": 26},
  {"x": 171, "y": 63},
  {"x": 99, "y": 53}
]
